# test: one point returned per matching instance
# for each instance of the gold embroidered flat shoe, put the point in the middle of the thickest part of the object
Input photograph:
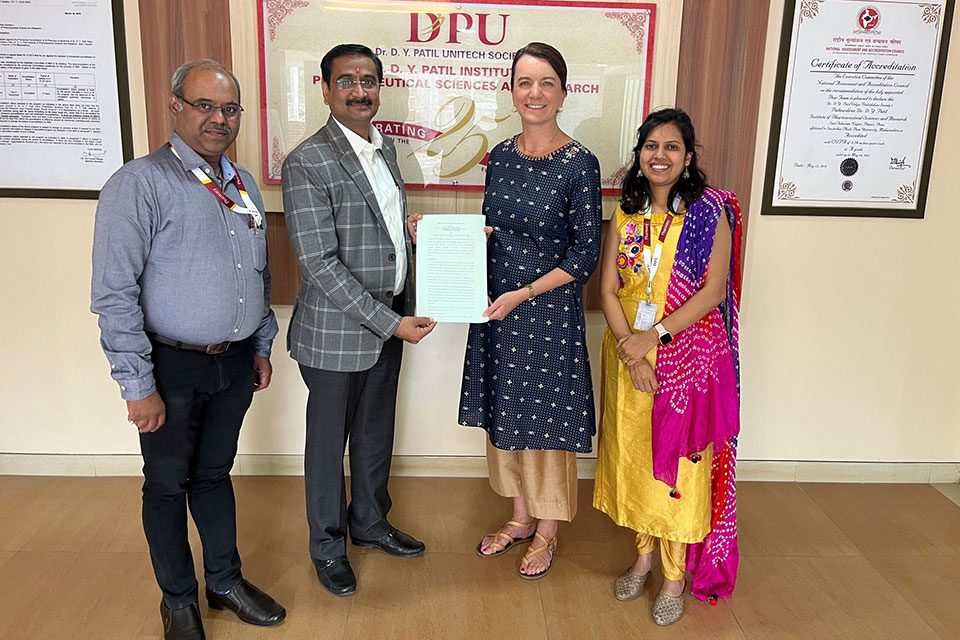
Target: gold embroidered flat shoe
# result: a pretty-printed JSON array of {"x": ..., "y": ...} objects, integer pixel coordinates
[
  {"x": 629, "y": 586},
  {"x": 667, "y": 609}
]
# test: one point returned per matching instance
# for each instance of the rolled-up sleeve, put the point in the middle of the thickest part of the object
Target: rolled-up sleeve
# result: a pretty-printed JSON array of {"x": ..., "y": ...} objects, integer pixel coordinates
[
  {"x": 121, "y": 243},
  {"x": 585, "y": 215}
]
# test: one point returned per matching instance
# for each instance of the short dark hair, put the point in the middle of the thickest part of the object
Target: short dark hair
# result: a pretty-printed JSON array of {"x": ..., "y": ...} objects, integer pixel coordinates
[
  {"x": 636, "y": 193},
  {"x": 544, "y": 52},
  {"x": 326, "y": 65}
]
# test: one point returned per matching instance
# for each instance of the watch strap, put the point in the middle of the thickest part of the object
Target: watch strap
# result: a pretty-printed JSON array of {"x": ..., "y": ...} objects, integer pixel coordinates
[{"x": 664, "y": 335}]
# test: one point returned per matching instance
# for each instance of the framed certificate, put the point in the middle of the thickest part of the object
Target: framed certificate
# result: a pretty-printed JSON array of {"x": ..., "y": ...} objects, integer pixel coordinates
[
  {"x": 856, "y": 107},
  {"x": 64, "y": 99}
]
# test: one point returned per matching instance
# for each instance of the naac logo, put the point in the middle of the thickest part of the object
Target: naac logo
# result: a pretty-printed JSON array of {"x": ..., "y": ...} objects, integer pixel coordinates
[{"x": 869, "y": 18}]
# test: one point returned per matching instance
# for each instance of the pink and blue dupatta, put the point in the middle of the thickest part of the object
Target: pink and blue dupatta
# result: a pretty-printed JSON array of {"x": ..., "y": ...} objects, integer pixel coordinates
[{"x": 698, "y": 402}]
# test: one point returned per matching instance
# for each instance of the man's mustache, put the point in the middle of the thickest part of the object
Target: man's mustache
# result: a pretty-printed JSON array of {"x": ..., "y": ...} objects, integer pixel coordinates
[
  {"x": 362, "y": 101},
  {"x": 219, "y": 127}
]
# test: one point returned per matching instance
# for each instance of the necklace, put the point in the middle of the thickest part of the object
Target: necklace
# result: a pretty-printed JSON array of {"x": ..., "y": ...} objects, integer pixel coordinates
[{"x": 541, "y": 147}]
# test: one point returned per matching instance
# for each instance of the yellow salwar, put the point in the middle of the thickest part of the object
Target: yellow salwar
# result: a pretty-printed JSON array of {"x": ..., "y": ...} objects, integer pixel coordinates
[
  {"x": 625, "y": 488},
  {"x": 673, "y": 555}
]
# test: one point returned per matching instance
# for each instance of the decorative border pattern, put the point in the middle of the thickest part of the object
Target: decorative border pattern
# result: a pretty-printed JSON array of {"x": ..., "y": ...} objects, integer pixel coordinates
[
  {"x": 787, "y": 190},
  {"x": 277, "y": 12},
  {"x": 276, "y": 159},
  {"x": 636, "y": 24},
  {"x": 907, "y": 192},
  {"x": 615, "y": 180},
  {"x": 809, "y": 9},
  {"x": 931, "y": 14}
]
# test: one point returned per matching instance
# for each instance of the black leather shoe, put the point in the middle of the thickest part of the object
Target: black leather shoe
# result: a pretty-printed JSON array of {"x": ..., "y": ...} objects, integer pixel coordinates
[
  {"x": 181, "y": 624},
  {"x": 396, "y": 543},
  {"x": 251, "y": 605},
  {"x": 336, "y": 575}
]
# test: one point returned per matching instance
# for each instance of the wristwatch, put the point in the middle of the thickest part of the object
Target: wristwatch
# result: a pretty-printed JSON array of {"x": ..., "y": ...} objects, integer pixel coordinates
[{"x": 665, "y": 336}]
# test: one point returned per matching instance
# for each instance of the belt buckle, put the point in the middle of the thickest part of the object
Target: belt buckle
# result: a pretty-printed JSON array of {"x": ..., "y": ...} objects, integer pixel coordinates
[{"x": 217, "y": 349}]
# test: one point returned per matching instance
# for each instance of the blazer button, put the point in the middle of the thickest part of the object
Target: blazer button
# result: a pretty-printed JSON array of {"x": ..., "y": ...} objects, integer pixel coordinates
[
  {"x": 389, "y": 294},
  {"x": 391, "y": 257}
]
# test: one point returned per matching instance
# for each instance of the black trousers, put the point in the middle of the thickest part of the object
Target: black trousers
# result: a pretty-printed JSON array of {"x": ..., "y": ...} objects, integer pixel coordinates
[
  {"x": 188, "y": 460},
  {"x": 359, "y": 406}
]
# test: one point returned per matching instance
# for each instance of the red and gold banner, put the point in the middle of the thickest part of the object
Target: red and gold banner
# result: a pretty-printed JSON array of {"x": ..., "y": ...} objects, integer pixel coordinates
[{"x": 446, "y": 98}]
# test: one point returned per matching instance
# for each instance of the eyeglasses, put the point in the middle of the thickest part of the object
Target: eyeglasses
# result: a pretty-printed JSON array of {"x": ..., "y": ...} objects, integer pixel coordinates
[
  {"x": 230, "y": 111},
  {"x": 367, "y": 84}
]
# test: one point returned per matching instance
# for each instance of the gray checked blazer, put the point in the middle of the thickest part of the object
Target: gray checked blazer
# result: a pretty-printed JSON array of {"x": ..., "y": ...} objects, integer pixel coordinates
[{"x": 348, "y": 264}]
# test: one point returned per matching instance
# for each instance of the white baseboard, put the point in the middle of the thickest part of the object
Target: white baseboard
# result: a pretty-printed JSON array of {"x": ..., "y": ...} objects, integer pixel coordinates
[{"x": 476, "y": 467}]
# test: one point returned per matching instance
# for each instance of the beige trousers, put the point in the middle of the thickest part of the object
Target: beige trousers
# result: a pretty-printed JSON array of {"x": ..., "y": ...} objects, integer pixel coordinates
[
  {"x": 673, "y": 554},
  {"x": 547, "y": 480}
]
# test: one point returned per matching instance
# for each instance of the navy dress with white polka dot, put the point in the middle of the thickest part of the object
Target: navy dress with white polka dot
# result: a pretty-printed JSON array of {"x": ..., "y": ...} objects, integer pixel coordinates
[{"x": 526, "y": 379}]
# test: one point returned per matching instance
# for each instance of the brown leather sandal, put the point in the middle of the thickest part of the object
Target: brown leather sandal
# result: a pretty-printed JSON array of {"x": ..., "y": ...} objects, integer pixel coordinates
[
  {"x": 502, "y": 541},
  {"x": 547, "y": 546}
]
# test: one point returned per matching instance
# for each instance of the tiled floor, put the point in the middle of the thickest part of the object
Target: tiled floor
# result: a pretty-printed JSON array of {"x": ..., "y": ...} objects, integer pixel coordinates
[{"x": 818, "y": 561}]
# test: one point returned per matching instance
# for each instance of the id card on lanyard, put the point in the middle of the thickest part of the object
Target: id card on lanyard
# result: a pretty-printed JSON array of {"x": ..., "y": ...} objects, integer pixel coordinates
[
  {"x": 647, "y": 310},
  {"x": 248, "y": 208}
]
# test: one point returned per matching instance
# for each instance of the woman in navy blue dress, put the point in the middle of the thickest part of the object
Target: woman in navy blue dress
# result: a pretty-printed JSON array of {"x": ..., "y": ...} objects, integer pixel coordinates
[{"x": 526, "y": 374}]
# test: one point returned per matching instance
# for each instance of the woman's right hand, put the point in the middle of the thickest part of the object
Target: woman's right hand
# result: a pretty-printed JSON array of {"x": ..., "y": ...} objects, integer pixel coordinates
[
  {"x": 643, "y": 377},
  {"x": 412, "y": 221}
]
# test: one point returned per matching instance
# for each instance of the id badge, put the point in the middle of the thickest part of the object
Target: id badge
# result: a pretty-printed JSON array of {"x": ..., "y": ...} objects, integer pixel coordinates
[{"x": 646, "y": 316}]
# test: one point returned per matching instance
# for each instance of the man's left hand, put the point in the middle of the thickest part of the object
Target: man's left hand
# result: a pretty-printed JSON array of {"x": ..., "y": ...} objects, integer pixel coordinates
[{"x": 263, "y": 371}]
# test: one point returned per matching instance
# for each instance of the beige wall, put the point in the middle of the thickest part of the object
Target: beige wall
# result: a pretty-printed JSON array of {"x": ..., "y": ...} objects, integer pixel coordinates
[
  {"x": 849, "y": 337},
  {"x": 848, "y": 328}
]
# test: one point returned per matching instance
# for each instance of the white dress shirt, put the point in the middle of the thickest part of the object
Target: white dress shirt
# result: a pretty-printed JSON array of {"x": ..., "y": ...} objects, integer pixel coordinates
[{"x": 386, "y": 191}]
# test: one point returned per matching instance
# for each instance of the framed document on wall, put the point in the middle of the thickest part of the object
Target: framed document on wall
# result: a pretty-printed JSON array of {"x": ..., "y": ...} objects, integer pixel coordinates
[
  {"x": 856, "y": 107},
  {"x": 64, "y": 99}
]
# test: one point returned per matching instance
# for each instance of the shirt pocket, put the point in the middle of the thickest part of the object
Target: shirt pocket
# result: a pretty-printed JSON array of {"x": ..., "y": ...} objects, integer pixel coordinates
[{"x": 258, "y": 239}]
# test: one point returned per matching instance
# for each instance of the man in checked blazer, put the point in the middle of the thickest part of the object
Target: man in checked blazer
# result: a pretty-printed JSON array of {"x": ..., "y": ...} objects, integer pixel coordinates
[{"x": 345, "y": 209}]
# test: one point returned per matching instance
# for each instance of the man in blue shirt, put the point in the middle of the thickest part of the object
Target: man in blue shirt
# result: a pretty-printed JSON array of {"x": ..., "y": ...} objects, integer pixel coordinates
[{"x": 182, "y": 289}]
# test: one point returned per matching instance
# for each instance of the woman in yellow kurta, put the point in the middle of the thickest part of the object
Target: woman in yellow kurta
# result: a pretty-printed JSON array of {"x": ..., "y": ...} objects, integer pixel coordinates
[{"x": 643, "y": 238}]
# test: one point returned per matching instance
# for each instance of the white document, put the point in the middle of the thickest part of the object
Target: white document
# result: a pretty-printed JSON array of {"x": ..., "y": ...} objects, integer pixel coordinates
[
  {"x": 59, "y": 100},
  {"x": 452, "y": 268}
]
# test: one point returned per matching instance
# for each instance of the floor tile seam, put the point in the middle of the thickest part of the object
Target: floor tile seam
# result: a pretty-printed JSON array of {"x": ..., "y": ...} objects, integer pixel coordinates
[
  {"x": 76, "y": 552},
  {"x": 733, "y": 612},
  {"x": 471, "y": 553},
  {"x": 543, "y": 612},
  {"x": 902, "y": 599},
  {"x": 827, "y": 516},
  {"x": 732, "y": 601},
  {"x": 346, "y": 619},
  {"x": 13, "y": 554},
  {"x": 802, "y": 555}
]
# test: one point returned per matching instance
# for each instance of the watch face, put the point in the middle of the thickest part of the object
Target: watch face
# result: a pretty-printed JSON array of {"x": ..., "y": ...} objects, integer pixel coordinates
[{"x": 666, "y": 338}]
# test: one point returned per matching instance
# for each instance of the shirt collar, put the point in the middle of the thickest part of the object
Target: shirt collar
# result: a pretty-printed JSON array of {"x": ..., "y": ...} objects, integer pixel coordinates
[
  {"x": 358, "y": 144},
  {"x": 190, "y": 159}
]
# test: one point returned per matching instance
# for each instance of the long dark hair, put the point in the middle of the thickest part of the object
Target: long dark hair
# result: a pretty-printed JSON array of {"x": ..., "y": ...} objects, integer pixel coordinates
[{"x": 636, "y": 193}]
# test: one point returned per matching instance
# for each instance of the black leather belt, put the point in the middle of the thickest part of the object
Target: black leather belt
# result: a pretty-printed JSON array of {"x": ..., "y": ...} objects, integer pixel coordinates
[{"x": 212, "y": 349}]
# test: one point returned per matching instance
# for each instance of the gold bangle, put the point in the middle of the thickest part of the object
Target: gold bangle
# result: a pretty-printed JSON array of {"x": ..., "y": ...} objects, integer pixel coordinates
[{"x": 533, "y": 293}]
